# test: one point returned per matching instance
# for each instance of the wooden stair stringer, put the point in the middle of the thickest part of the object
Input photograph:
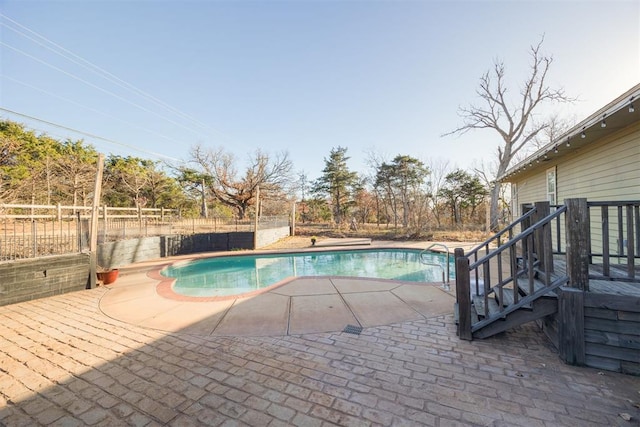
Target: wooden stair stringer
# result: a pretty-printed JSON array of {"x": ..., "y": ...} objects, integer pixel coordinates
[
  {"x": 542, "y": 307},
  {"x": 529, "y": 308}
]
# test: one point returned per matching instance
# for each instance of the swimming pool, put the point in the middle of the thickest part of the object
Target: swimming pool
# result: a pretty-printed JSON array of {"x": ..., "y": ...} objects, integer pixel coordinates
[{"x": 233, "y": 275}]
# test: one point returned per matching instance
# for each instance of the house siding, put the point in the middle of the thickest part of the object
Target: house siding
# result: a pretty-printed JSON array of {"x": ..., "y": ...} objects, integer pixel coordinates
[
  {"x": 529, "y": 190},
  {"x": 606, "y": 170}
]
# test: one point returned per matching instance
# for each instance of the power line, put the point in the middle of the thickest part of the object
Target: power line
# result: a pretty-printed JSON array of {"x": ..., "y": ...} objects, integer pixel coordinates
[
  {"x": 90, "y": 108},
  {"x": 90, "y": 135},
  {"x": 95, "y": 86},
  {"x": 100, "y": 71}
]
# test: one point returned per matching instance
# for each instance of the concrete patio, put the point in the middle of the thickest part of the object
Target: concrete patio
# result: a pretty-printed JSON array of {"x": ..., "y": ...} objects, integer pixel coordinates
[{"x": 301, "y": 306}]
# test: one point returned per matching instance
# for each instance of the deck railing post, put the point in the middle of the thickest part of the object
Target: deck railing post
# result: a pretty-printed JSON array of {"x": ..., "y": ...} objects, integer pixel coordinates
[
  {"x": 604, "y": 212},
  {"x": 542, "y": 238},
  {"x": 630, "y": 244},
  {"x": 526, "y": 223},
  {"x": 463, "y": 294},
  {"x": 577, "y": 231},
  {"x": 570, "y": 317}
]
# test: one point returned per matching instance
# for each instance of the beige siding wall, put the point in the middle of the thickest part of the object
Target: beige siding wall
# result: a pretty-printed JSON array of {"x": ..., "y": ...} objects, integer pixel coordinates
[
  {"x": 529, "y": 190},
  {"x": 606, "y": 170}
]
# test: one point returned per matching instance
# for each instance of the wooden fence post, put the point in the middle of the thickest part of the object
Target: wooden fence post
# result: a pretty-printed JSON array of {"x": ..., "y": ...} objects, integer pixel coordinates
[
  {"x": 463, "y": 295},
  {"x": 293, "y": 219},
  {"x": 257, "y": 219},
  {"x": 577, "y": 231},
  {"x": 93, "y": 243}
]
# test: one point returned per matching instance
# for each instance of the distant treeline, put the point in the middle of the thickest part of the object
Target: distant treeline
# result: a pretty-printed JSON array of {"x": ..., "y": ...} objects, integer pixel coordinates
[{"x": 403, "y": 192}]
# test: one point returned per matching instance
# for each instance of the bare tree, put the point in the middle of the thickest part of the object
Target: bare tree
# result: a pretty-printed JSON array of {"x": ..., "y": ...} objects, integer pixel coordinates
[
  {"x": 512, "y": 120},
  {"x": 439, "y": 170},
  {"x": 556, "y": 127},
  {"x": 75, "y": 169},
  {"x": 126, "y": 178},
  {"x": 272, "y": 175}
]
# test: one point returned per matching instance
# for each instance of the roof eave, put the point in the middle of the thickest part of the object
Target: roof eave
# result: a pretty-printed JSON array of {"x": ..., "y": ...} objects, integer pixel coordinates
[{"x": 584, "y": 132}]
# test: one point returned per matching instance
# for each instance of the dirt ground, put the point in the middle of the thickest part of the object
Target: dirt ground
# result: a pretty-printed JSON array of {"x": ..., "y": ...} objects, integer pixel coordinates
[{"x": 291, "y": 242}]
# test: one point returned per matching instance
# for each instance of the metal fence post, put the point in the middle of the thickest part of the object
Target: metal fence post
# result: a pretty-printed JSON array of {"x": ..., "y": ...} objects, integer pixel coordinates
[{"x": 34, "y": 231}]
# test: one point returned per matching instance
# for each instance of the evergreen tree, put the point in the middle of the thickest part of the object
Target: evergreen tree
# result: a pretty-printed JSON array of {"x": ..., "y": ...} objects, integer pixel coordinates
[{"x": 338, "y": 183}]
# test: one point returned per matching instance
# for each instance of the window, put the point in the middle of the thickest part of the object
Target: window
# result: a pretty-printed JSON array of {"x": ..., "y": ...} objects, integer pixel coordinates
[{"x": 551, "y": 185}]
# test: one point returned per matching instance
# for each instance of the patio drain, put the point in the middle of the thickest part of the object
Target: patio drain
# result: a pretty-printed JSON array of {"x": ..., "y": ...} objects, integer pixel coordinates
[{"x": 352, "y": 329}]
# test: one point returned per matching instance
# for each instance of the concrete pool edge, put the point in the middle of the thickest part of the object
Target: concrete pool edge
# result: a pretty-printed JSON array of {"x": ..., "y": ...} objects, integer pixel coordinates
[
  {"x": 166, "y": 284},
  {"x": 134, "y": 299},
  {"x": 289, "y": 309}
]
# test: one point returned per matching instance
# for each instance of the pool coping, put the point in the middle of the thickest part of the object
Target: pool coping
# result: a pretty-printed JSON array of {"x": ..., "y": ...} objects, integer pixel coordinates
[{"x": 165, "y": 285}]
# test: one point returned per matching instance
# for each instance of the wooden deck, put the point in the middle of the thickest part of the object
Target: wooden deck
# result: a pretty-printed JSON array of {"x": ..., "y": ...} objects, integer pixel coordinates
[
  {"x": 607, "y": 331},
  {"x": 610, "y": 287},
  {"x": 590, "y": 311},
  {"x": 620, "y": 287}
]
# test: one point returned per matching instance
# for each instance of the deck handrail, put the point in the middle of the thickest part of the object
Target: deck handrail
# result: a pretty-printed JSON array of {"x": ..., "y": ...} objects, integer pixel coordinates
[
  {"x": 627, "y": 231},
  {"x": 519, "y": 237},
  {"x": 502, "y": 232}
]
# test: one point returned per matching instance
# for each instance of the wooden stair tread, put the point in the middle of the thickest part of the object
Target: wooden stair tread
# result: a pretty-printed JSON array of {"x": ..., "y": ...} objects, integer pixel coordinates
[
  {"x": 523, "y": 285},
  {"x": 478, "y": 303},
  {"x": 507, "y": 296},
  {"x": 539, "y": 275}
]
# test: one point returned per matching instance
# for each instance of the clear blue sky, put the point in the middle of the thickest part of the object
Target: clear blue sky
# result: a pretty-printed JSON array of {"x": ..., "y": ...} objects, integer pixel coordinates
[{"x": 301, "y": 76}]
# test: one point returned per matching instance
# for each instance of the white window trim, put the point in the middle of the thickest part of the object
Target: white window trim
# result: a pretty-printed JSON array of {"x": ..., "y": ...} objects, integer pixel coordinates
[{"x": 552, "y": 196}]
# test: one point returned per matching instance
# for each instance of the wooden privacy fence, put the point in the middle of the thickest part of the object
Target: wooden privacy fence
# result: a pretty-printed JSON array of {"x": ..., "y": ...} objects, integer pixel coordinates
[{"x": 30, "y": 231}]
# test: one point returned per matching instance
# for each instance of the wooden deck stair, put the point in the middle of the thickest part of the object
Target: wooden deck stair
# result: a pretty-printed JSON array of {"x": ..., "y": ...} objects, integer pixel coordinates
[
  {"x": 499, "y": 318},
  {"x": 512, "y": 286},
  {"x": 574, "y": 269}
]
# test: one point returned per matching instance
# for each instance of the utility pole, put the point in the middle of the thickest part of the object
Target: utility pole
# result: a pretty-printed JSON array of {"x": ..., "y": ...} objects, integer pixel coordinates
[
  {"x": 256, "y": 219},
  {"x": 203, "y": 209}
]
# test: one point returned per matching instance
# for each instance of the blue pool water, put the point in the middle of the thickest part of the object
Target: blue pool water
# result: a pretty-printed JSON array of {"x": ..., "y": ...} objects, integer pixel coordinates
[{"x": 233, "y": 275}]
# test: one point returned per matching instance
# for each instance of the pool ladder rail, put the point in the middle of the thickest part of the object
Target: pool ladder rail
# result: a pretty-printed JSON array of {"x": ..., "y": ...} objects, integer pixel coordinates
[{"x": 446, "y": 283}]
